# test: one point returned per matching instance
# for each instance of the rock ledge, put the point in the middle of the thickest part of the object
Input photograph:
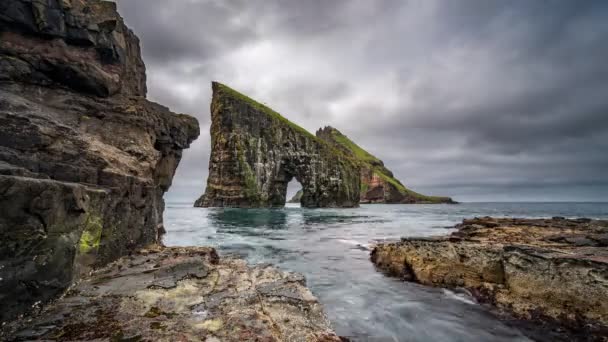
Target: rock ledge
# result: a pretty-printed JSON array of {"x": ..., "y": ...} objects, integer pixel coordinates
[
  {"x": 180, "y": 294},
  {"x": 553, "y": 272}
]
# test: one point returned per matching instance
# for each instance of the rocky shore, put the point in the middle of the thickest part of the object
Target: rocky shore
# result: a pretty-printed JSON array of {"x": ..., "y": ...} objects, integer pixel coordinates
[
  {"x": 180, "y": 294},
  {"x": 85, "y": 160},
  {"x": 553, "y": 272}
]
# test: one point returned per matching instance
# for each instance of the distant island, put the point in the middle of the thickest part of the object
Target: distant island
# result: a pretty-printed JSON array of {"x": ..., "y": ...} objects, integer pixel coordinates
[{"x": 256, "y": 152}]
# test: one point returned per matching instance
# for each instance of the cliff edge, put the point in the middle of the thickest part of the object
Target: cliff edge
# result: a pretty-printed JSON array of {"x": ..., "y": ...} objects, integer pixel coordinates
[
  {"x": 84, "y": 158},
  {"x": 378, "y": 184}
]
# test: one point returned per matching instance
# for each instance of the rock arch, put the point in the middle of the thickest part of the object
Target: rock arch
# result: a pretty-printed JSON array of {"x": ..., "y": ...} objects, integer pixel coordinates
[{"x": 255, "y": 153}]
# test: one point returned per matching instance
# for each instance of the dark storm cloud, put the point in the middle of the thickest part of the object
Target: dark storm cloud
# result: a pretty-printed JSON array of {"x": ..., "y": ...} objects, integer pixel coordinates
[{"x": 475, "y": 99}]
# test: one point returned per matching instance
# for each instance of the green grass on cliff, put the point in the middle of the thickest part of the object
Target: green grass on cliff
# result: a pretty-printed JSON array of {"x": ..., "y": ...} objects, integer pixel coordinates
[
  {"x": 360, "y": 153},
  {"x": 264, "y": 109},
  {"x": 374, "y": 163}
]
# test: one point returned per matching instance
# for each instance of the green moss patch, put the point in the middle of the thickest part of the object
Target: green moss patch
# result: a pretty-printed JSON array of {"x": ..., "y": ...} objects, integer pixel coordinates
[
  {"x": 263, "y": 108},
  {"x": 91, "y": 235}
]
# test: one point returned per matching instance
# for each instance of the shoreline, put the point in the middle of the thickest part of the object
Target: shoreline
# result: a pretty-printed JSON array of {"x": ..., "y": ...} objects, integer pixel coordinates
[
  {"x": 180, "y": 293},
  {"x": 551, "y": 273}
]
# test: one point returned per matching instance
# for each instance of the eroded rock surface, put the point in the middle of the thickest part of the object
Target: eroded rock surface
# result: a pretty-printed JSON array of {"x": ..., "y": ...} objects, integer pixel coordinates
[
  {"x": 552, "y": 271},
  {"x": 181, "y": 294},
  {"x": 255, "y": 153},
  {"x": 84, "y": 158},
  {"x": 378, "y": 184}
]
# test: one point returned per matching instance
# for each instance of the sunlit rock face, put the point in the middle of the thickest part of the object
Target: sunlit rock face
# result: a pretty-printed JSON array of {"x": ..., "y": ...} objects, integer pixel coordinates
[
  {"x": 256, "y": 152},
  {"x": 84, "y": 158},
  {"x": 378, "y": 185}
]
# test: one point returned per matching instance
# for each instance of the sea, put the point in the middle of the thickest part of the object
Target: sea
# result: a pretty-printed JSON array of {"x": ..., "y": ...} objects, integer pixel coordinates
[{"x": 331, "y": 248}]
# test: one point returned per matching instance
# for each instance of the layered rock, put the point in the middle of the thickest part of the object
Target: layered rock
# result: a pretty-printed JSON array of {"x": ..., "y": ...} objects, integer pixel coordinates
[
  {"x": 84, "y": 158},
  {"x": 181, "y": 294},
  {"x": 551, "y": 271},
  {"x": 378, "y": 184},
  {"x": 255, "y": 153}
]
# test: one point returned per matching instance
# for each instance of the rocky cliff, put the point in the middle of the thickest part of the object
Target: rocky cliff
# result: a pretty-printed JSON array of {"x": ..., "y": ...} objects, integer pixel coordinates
[
  {"x": 84, "y": 157},
  {"x": 553, "y": 272},
  {"x": 255, "y": 152},
  {"x": 378, "y": 185}
]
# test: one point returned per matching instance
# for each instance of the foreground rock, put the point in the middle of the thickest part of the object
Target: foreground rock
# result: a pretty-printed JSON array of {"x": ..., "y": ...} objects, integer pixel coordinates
[
  {"x": 84, "y": 158},
  {"x": 378, "y": 184},
  {"x": 553, "y": 271},
  {"x": 255, "y": 153},
  {"x": 180, "y": 294}
]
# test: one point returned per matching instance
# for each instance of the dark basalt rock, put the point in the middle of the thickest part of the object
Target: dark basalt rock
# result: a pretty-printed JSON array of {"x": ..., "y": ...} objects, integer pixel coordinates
[
  {"x": 378, "y": 184},
  {"x": 255, "y": 152},
  {"x": 82, "y": 45},
  {"x": 84, "y": 157}
]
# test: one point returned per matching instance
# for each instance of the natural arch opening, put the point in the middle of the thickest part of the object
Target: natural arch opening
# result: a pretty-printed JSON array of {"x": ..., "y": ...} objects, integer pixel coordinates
[{"x": 294, "y": 191}]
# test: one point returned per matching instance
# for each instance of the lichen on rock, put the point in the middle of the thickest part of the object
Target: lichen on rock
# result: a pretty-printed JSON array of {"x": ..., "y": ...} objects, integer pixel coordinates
[
  {"x": 84, "y": 158},
  {"x": 553, "y": 272},
  {"x": 378, "y": 184},
  {"x": 181, "y": 294},
  {"x": 256, "y": 152}
]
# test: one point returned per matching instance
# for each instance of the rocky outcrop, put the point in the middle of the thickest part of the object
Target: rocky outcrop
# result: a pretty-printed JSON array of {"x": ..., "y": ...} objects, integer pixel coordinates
[
  {"x": 378, "y": 185},
  {"x": 180, "y": 294},
  {"x": 297, "y": 197},
  {"x": 255, "y": 153},
  {"x": 84, "y": 158},
  {"x": 551, "y": 271}
]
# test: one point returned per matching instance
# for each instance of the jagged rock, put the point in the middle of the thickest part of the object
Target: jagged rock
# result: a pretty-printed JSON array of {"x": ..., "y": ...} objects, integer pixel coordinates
[
  {"x": 82, "y": 45},
  {"x": 550, "y": 271},
  {"x": 378, "y": 184},
  {"x": 181, "y": 294},
  {"x": 84, "y": 157},
  {"x": 255, "y": 152}
]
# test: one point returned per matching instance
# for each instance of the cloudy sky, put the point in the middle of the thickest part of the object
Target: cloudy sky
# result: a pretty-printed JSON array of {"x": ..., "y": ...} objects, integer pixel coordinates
[{"x": 479, "y": 100}]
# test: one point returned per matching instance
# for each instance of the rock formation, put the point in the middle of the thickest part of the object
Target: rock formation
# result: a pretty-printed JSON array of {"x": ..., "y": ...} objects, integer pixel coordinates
[
  {"x": 180, "y": 294},
  {"x": 255, "y": 153},
  {"x": 378, "y": 185},
  {"x": 84, "y": 157},
  {"x": 550, "y": 271},
  {"x": 297, "y": 197}
]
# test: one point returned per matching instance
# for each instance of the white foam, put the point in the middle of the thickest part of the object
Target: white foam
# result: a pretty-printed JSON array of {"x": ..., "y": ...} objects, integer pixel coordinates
[{"x": 462, "y": 297}]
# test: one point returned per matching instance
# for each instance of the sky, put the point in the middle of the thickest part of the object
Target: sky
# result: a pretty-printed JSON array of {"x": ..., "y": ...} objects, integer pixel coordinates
[{"x": 479, "y": 100}]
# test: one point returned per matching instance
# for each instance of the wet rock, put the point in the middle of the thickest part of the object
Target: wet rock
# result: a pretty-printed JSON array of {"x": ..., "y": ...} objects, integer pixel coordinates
[
  {"x": 209, "y": 299},
  {"x": 84, "y": 158},
  {"x": 255, "y": 153},
  {"x": 378, "y": 184},
  {"x": 550, "y": 271}
]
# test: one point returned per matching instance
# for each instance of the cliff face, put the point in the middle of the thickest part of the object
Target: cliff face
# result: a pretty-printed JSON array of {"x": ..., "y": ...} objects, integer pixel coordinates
[
  {"x": 378, "y": 185},
  {"x": 84, "y": 158},
  {"x": 255, "y": 152}
]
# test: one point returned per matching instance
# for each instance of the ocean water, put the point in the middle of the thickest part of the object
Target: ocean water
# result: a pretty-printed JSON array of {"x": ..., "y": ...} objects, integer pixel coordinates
[{"x": 330, "y": 247}]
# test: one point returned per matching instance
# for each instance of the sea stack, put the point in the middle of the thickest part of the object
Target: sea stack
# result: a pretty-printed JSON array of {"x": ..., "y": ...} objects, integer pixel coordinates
[
  {"x": 256, "y": 152},
  {"x": 378, "y": 184},
  {"x": 84, "y": 158}
]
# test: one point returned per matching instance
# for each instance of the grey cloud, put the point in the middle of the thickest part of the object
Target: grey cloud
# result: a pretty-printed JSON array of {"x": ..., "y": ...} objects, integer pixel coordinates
[{"x": 472, "y": 98}]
